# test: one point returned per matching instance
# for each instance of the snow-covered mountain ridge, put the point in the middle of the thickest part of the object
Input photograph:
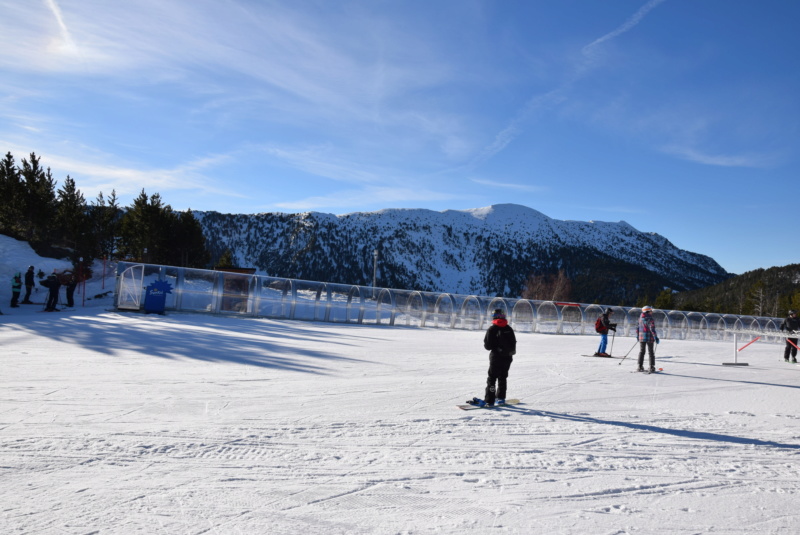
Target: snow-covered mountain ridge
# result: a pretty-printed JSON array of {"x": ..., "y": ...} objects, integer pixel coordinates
[{"x": 485, "y": 251}]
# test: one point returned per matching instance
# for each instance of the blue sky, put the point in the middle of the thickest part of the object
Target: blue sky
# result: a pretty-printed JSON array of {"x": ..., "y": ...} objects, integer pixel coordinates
[{"x": 680, "y": 117}]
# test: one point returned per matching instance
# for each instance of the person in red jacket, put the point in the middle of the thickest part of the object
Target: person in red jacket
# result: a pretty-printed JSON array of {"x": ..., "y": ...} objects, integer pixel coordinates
[{"x": 602, "y": 326}]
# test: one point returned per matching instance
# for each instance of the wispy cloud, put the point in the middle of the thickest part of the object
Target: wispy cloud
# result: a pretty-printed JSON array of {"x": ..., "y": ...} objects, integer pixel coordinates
[
  {"x": 296, "y": 52},
  {"x": 693, "y": 154},
  {"x": 560, "y": 94},
  {"x": 380, "y": 197},
  {"x": 508, "y": 185},
  {"x": 339, "y": 77},
  {"x": 590, "y": 50},
  {"x": 68, "y": 44},
  {"x": 320, "y": 161},
  {"x": 97, "y": 175}
]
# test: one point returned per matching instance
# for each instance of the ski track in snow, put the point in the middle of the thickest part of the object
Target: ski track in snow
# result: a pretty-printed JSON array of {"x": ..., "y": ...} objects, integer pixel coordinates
[{"x": 200, "y": 424}]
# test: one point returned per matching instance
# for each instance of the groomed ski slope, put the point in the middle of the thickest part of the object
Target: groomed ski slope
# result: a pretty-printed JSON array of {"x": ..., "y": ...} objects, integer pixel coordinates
[{"x": 190, "y": 424}]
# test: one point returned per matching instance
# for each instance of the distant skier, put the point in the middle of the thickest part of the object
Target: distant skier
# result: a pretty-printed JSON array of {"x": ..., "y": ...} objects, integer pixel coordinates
[
  {"x": 791, "y": 323},
  {"x": 502, "y": 344},
  {"x": 646, "y": 332},
  {"x": 602, "y": 326}
]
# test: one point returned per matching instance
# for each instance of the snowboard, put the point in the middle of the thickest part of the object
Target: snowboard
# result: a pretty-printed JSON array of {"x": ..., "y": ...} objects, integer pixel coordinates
[{"x": 468, "y": 407}]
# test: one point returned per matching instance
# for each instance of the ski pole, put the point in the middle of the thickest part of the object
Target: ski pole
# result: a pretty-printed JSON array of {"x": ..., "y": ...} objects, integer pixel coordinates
[
  {"x": 626, "y": 354},
  {"x": 611, "y": 352}
]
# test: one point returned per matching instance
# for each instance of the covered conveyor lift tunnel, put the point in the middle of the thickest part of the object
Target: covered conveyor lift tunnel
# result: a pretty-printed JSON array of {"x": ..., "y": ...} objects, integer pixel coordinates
[{"x": 251, "y": 295}]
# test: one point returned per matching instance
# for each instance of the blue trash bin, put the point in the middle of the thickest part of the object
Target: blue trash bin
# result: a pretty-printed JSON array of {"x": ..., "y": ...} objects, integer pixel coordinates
[{"x": 155, "y": 297}]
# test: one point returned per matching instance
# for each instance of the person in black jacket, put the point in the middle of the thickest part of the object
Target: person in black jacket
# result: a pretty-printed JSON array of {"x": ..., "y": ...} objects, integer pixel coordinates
[
  {"x": 502, "y": 344},
  {"x": 52, "y": 284},
  {"x": 29, "y": 284},
  {"x": 791, "y": 323},
  {"x": 69, "y": 281}
]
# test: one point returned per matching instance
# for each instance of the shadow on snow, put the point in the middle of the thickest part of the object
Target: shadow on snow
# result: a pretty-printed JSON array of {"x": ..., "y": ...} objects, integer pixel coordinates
[
  {"x": 260, "y": 343},
  {"x": 695, "y": 435}
]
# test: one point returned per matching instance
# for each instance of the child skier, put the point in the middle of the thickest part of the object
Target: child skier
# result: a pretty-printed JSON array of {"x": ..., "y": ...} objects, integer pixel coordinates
[{"x": 502, "y": 344}]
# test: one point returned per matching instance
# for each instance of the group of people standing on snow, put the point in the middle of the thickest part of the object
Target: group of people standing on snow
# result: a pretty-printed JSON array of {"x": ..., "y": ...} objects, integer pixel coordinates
[
  {"x": 52, "y": 282},
  {"x": 501, "y": 343},
  {"x": 645, "y": 333},
  {"x": 16, "y": 288}
]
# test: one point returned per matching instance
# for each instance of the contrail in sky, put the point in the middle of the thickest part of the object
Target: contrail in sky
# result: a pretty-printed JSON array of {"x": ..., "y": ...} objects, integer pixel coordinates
[
  {"x": 629, "y": 24},
  {"x": 510, "y": 132},
  {"x": 70, "y": 44}
]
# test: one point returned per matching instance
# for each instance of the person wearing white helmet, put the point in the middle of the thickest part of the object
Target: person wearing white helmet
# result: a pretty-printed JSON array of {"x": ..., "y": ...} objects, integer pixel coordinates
[
  {"x": 791, "y": 324},
  {"x": 646, "y": 333}
]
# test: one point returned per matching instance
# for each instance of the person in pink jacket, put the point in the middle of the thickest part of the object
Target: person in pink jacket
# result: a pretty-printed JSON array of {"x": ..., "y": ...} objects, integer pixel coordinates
[{"x": 646, "y": 332}]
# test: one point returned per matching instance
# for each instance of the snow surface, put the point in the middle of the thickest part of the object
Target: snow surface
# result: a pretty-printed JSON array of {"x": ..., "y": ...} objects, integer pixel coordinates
[{"x": 132, "y": 423}]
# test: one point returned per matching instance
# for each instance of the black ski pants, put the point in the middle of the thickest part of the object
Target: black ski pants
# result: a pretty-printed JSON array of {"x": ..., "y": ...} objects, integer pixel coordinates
[
  {"x": 649, "y": 347},
  {"x": 70, "y": 291},
  {"x": 52, "y": 300},
  {"x": 790, "y": 349},
  {"x": 497, "y": 381}
]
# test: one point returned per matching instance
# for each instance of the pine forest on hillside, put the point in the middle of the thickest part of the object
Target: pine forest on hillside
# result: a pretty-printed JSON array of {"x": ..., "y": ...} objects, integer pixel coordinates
[
  {"x": 60, "y": 223},
  {"x": 761, "y": 292}
]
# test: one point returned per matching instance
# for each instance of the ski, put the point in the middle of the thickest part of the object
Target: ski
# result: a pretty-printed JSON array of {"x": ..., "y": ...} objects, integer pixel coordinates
[
  {"x": 648, "y": 372},
  {"x": 602, "y": 356},
  {"x": 468, "y": 407}
]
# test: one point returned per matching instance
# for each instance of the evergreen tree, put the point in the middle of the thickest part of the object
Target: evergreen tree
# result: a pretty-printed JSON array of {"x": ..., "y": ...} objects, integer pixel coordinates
[
  {"x": 39, "y": 203},
  {"x": 189, "y": 248},
  {"x": 226, "y": 260},
  {"x": 105, "y": 216},
  {"x": 72, "y": 222},
  {"x": 145, "y": 230},
  {"x": 794, "y": 303},
  {"x": 664, "y": 301},
  {"x": 12, "y": 194}
]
